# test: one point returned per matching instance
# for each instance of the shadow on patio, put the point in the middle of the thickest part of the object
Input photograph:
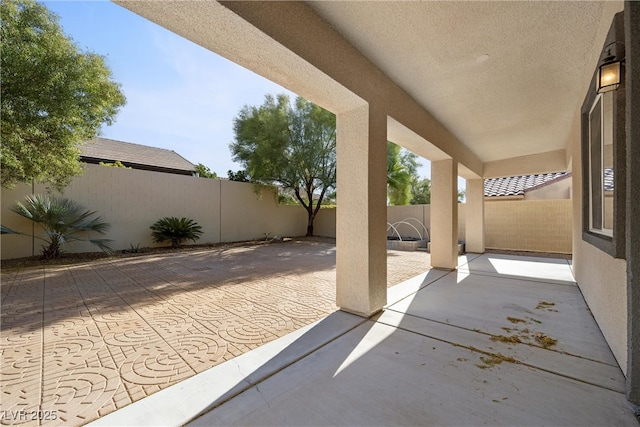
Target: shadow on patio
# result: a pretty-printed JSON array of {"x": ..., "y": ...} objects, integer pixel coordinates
[
  {"x": 85, "y": 340},
  {"x": 503, "y": 340}
]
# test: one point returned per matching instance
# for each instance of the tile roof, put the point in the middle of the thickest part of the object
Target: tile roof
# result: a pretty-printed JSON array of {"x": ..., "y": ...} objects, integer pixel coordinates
[
  {"x": 517, "y": 185},
  {"x": 134, "y": 155}
]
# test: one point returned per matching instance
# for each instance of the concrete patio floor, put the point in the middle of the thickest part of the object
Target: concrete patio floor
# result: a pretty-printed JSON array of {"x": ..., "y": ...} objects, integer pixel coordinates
[
  {"x": 451, "y": 348},
  {"x": 81, "y": 341}
]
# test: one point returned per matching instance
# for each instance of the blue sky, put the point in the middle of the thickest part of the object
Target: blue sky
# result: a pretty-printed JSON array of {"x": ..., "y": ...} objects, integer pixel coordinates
[{"x": 180, "y": 96}]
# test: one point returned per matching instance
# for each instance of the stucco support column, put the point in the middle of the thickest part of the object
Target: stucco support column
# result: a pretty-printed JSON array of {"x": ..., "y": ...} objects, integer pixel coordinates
[
  {"x": 444, "y": 214},
  {"x": 361, "y": 216},
  {"x": 474, "y": 211}
]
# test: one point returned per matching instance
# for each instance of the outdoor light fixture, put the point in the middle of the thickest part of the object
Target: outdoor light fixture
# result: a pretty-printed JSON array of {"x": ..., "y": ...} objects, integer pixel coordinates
[{"x": 609, "y": 71}]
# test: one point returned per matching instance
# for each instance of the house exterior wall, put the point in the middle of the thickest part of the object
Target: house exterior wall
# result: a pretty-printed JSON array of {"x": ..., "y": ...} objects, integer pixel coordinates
[
  {"x": 560, "y": 189},
  {"x": 632, "y": 197},
  {"x": 601, "y": 277}
]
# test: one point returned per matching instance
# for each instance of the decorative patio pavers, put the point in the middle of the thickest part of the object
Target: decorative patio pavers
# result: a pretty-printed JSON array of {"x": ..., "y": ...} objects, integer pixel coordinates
[{"x": 80, "y": 341}]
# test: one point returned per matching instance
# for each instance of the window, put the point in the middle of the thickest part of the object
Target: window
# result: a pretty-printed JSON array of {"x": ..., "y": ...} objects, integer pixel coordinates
[
  {"x": 601, "y": 176},
  {"x": 603, "y": 165}
]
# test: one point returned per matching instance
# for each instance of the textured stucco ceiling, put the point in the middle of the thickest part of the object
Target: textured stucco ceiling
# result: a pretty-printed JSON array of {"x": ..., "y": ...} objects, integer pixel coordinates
[{"x": 522, "y": 99}]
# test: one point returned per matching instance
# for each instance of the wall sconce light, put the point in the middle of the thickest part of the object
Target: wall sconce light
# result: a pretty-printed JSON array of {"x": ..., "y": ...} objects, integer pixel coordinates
[{"x": 609, "y": 71}]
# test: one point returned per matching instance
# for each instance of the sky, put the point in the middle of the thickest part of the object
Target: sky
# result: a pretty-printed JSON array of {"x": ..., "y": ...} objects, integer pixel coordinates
[{"x": 180, "y": 96}]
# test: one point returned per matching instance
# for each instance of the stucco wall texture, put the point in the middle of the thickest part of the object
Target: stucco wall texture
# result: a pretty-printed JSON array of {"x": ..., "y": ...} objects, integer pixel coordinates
[
  {"x": 601, "y": 278},
  {"x": 557, "y": 190},
  {"x": 228, "y": 211}
]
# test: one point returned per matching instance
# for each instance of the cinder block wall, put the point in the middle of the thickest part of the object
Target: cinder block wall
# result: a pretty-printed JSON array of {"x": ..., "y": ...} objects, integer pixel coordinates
[
  {"x": 247, "y": 215},
  {"x": 325, "y": 223},
  {"x": 405, "y": 218},
  {"x": 529, "y": 225},
  {"x": 131, "y": 200}
]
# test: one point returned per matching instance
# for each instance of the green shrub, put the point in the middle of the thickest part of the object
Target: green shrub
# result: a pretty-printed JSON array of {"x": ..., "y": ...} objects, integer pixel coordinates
[
  {"x": 63, "y": 221},
  {"x": 134, "y": 249},
  {"x": 175, "y": 230}
]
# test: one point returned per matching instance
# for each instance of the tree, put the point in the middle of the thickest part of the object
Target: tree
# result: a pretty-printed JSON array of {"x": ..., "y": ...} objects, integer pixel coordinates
[
  {"x": 204, "y": 172},
  {"x": 53, "y": 96},
  {"x": 421, "y": 192},
  {"x": 63, "y": 221},
  {"x": 240, "y": 176},
  {"x": 402, "y": 167},
  {"x": 290, "y": 146},
  {"x": 117, "y": 164}
]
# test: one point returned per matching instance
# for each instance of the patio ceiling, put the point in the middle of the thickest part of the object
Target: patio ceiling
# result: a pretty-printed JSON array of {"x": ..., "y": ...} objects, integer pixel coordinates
[
  {"x": 507, "y": 78},
  {"x": 498, "y": 81}
]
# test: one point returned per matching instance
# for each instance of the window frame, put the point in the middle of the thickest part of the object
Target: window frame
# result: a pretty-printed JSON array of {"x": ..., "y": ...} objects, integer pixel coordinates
[
  {"x": 599, "y": 103},
  {"x": 612, "y": 243}
]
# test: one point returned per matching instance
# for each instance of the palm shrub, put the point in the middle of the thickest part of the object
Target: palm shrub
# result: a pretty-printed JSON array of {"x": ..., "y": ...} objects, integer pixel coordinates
[
  {"x": 63, "y": 221},
  {"x": 175, "y": 230}
]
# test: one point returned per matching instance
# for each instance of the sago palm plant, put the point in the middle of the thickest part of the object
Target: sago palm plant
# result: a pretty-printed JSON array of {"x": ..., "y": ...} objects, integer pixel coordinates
[
  {"x": 63, "y": 221},
  {"x": 175, "y": 230}
]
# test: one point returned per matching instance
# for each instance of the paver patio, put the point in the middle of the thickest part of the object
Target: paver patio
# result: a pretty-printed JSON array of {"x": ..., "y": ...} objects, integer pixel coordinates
[
  {"x": 443, "y": 352},
  {"x": 81, "y": 341}
]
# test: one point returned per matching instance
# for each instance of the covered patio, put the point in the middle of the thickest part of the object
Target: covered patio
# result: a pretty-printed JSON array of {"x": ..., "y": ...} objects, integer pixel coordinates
[
  {"x": 481, "y": 90},
  {"x": 442, "y": 352}
]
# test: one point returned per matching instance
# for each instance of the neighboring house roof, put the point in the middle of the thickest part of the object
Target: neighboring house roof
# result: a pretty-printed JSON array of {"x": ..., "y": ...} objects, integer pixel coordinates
[
  {"x": 518, "y": 185},
  {"x": 135, "y": 156}
]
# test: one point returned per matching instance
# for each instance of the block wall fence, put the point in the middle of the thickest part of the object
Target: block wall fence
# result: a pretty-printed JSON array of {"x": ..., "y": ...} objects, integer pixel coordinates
[{"x": 228, "y": 211}]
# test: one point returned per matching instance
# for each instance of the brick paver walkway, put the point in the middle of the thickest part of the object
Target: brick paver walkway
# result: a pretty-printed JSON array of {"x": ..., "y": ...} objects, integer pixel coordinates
[{"x": 80, "y": 341}]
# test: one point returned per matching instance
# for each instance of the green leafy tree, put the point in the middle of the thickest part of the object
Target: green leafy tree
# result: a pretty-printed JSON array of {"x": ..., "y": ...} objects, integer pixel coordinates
[
  {"x": 63, "y": 221},
  {"x": 286, "y": 199},
  {"x": 421, "y": 192},
  {"x": 240, "y": 176},
  {"x": 175, "y": 230},
  {"x": 204, "y": 172},
  {"x": 292, "y": 146},
  {"x": 402, "y": 167},
  {"x": 116, "y": 164},
  {"x": 53, "y": 96},
  {"x": 462, "y": 195}
]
